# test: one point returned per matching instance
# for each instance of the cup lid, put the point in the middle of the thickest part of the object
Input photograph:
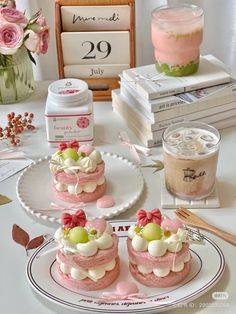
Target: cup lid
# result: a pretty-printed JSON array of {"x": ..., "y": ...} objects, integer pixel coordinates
[{"x": 67, "y": 90}]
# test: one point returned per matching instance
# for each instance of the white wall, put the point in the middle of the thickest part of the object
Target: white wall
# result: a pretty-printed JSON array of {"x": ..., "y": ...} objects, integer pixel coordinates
[{"x": 219, "y": 32}]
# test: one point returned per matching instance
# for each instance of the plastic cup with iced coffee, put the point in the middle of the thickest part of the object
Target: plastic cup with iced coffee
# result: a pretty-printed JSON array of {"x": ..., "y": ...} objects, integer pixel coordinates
[
  {"x": 177, "y": 33},
  {"x": 190, "y": 157}
]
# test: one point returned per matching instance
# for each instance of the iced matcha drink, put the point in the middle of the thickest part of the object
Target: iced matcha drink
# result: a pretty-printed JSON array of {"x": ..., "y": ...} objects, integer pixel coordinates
[{"x": 177, "y": 33}]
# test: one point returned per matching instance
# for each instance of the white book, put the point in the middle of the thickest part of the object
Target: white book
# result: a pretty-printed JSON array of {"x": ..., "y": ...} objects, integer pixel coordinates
[
  {"x": 216, "y": 96},
  {"x": 150, "y": 139},
  {"x": 130, "y": 112},
  {"x": 171, "y": 102},
  {"x": 222, "y": 124},
  {"x": 154, "y": 105},
  {"x": 151, "y": 84}
]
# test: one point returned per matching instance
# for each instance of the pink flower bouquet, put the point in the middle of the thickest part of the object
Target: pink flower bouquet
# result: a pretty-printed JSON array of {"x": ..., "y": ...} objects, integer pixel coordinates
[
  {"x": 17, "y": 31},
  {"x": 19, "y": 38}
]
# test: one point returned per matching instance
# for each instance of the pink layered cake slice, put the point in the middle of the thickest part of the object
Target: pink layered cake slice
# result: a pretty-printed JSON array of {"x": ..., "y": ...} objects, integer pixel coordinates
[
  {"x": 78, "y": 173},
  {"x": 158, "y": 250},
  {"x": 87, "y": 258}
]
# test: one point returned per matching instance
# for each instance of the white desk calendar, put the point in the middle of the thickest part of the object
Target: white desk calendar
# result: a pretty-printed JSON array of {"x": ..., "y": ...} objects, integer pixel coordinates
[{"x": 95, "y": 41}]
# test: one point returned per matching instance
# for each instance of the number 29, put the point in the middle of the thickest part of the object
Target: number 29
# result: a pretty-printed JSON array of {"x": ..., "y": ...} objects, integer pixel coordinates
[{"x": 102, "y": 46}]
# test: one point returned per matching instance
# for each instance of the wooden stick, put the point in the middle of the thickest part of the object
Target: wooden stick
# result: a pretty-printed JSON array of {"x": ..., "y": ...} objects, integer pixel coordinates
[
  {"x": 58, "y": 29},
  {"x": 92, "y": 2}
]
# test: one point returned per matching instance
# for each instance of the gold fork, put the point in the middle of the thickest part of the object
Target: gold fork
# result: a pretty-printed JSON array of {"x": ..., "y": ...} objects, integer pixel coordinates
[{"x": 191, "y": 219}]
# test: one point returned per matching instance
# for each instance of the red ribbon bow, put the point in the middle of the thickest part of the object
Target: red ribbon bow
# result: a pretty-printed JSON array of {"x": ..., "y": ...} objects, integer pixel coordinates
[
  {"x": 72, "y": 144},
  {"x": 144, "y": 217},
  {"x": 70, "y": 221}
]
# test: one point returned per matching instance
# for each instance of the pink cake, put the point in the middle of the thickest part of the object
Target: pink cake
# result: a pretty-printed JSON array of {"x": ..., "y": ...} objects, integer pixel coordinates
[
  {"x": 158, "y": 250},
  {"x": 88, "y": 255},
  {"x": 78, "y": 173}
]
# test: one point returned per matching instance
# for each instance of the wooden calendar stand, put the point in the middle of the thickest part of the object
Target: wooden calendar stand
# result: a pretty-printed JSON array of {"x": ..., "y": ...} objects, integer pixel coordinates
[{"x": 95, "y": 41}]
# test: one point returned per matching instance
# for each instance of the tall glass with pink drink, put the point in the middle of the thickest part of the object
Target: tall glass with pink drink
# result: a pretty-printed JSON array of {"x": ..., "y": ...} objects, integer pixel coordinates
[{"x": 177, "y": 33}]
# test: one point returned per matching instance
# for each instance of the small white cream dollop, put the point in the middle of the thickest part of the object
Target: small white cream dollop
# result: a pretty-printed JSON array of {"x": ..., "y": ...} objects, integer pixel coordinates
[
  {"x": 89, "y": 187},
  {"x": 60, "y": 187},
  {"x": 87, "y": 249},
  {"x": 111, "y": 265},
  {"x": 144, "y": 269},
  {"x": 174, "y": 243},
  {"x": 59, "y": 234},
  {"x": 96, "y": 273},
  {"x": 68, "y": 246},
  {"x": 183, "y": 234},
  {"x": 65, "y": 268},
  {"x": 109, "y": 228},
  {"x": 78, "y": 274},
  {"x": 161, "y": 272},
  {"x": 178, "y": 267},
  {"x": 68, "y": 163},
  {"x": 157, "y": 248},
  {"x": 101, "y": 180},
  {"x": 105, "y": 241},
  {"x": 72, "y": 189},
  {"x": 87, "y": 164},
  {"x": 96, "y": 156},
  {"x": 131, "y": 232},
  {"x": 58, "y": 159},
  {"x": 139, "y": 244},
  {"x": 187, "y": 258}
]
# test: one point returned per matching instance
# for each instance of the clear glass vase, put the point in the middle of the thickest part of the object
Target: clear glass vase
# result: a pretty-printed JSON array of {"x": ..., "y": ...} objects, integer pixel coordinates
[{"x": 16, "y": 77}]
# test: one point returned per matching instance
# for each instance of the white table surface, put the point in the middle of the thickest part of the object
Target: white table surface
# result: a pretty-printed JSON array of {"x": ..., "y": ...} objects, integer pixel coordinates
[{"x": 16, "y": 296}]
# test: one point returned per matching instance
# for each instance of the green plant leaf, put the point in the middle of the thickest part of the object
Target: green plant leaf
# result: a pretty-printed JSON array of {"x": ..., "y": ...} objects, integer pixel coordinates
[
  {"x": 35, "y": 16},
  {"x": 26, "y": 37},
  {"x": 157, "y": 164},
  {"x": 31, "y": 57},
  {"x": 4, "y": 200}
]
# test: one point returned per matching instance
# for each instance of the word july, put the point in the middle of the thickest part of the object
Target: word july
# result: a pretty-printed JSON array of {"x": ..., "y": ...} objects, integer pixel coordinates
[{"x": 97, "y": 71}]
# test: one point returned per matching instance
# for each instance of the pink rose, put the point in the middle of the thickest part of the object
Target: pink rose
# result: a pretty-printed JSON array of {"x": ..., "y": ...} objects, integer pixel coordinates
[
  {"x": 44, "y": 39},
  {"x": 32, "y": 42},
  {"x": 37, "y": 42},
  {"x": 41, "y": 21},
  {"x": 38, "y": 23},
  {"x": 11, "y": 38},
  {"x": 14, "y": 16}
]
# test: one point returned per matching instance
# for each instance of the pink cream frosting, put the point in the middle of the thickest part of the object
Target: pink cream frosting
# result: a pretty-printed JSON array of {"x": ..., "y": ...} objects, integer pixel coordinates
[
  {"x": 152, "y": 280},
  {"x": 100, "y": 258},
  {"x": 165, "y": 261},
  {"x": 71, "y": 179},
  {"x": 88, "y": 284}
]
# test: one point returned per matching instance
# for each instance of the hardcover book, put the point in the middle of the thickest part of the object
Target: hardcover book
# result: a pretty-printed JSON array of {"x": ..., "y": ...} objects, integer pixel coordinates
[
  {"x": 151, "y": 84},
  {"x": 141, "y": 126},
  {"x": 213, "y": 104},
  {"x": 190, "y": 101},
  {"x": 129, "y": 112}
]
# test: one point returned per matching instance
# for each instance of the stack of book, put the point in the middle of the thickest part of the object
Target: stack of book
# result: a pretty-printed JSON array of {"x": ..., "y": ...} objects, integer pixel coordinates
[{"x": 149, "y": 102}]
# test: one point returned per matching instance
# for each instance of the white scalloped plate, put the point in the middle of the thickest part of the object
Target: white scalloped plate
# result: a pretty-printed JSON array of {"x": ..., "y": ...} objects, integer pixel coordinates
[
  {"x": 125, "y": 184},
  {"x": 207, "y": 267}
]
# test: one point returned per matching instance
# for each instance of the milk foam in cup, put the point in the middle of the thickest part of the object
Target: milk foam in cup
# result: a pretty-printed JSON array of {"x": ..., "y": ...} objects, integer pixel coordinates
[
  {"x": 190, "y": 158},
  {"x": 177, "y": 33}
]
